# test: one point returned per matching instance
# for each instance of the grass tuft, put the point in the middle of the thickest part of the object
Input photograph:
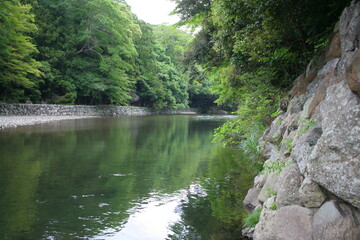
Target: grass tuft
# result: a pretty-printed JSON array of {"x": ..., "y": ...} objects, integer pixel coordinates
[{"x": 252, "y": 218}]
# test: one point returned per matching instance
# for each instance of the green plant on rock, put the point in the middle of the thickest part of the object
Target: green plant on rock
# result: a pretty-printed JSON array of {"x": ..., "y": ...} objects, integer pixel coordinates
[
  {"x": 270, "y": 192},
  {"x": 288, "y": 144},
  {"x": 274, "y": 166},
  {"x": 273, "y": 206},
  {"x": 279, "y": 122},
  {"x": 252, "y": 218},
  {"x": 307, "y": 124},
  {"x": 277, "y": 113}
]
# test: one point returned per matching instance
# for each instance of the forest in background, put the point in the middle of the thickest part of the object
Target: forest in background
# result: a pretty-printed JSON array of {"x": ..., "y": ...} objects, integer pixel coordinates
[
  {"x": 89, "y": 52},
  {"x": 243, "y": 55}
]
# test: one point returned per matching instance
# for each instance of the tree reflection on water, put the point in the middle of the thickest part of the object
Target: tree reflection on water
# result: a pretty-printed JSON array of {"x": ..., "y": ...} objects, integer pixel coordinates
[{"x": 213, "y": 209}]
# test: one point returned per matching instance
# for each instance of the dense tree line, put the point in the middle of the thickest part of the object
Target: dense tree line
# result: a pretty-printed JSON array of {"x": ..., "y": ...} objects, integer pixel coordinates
[
  {"x": 252, "y": 50},
  {"x": 244, "y": 55},
  {"x": 88, "y": 52}
]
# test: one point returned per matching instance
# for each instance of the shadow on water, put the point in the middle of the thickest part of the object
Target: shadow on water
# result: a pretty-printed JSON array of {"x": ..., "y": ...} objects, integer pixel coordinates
[{"x": 156, "y": 177}]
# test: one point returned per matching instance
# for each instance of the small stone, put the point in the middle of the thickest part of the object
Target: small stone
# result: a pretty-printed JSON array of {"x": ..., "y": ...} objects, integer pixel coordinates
[
  {"x": 260, "y": 180},
  {"x": 251, "y": 199},
  {"x": 311, "y": 194},
  {"x": 248, "y": 232},
  {"x": 270, "y": 185},
  {"x": 288, "y": 186},
  {"x": 270, "y": 203}
]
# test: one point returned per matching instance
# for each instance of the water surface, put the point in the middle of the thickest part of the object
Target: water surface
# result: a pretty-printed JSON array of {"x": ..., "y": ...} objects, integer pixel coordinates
[{"x": 153, "y": 178}]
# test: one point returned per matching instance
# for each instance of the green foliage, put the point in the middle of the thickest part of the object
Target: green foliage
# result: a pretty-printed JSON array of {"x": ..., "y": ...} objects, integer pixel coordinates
[
  {"x": 273, "y": 206},
  {"x": 306, "y": 123},
  {"x": 280, "y": 34},
  {"x": 288, "y": 143},
  {"x": 277, "y": 113},
  {"x": 274, "y": 166},
  {"x": 173, "y": 41},
  {"x": 91, "y": 52},
  {"x": 16, "y": 51},
  {"x": 252, "y": 218},
  {"x": 279, "y": 122},
  {"x": 160, "y": 83},
  {"x": 251, "y": 50},
  {"x": 256, "y": 99},
  {"x": 102, "y": 54},
  {"x": 270, "y": 192},
  {"x": 192, "y": 12},
  {"x": 245, "y": 52}
]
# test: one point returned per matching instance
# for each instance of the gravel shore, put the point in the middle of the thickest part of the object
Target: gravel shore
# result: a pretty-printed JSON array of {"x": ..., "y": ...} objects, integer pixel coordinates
[{"x": 16, "y": 121}]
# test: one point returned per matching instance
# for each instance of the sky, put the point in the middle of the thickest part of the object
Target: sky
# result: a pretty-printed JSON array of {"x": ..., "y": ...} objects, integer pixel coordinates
[{"x": 154, "y": 11}]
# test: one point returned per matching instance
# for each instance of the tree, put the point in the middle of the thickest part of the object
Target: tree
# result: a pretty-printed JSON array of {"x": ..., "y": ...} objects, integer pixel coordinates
[
  {"x": 87, "y": 50},
  {"x": 160, "y": 83},
  {"x": 16, "y": 50},
  {"x": 252, "y": 50}
]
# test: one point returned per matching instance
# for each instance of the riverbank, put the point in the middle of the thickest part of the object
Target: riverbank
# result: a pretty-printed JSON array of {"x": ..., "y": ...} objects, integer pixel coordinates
[
  {"x": 18, "y": 121},
  {"x": 15, "y": 115}
]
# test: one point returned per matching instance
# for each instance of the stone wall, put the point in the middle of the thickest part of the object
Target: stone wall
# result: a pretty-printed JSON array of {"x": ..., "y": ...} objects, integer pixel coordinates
[
  {"x": 81, "y": 110},
  {"x": 7, "y": 109},
  {"x": 311, "y": 187},
  {"x": 70, "y": 110}
]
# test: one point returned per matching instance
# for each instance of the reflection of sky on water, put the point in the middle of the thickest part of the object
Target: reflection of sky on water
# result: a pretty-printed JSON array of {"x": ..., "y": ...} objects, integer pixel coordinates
[{"x": 151, "y": 219}]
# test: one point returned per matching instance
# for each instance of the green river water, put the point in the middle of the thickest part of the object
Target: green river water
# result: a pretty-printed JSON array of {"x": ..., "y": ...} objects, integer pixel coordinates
[{"x": 133, "y": 178}]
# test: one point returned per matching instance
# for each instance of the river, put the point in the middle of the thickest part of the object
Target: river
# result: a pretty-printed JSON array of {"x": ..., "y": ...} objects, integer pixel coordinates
[{"x": 131, "y": 178}]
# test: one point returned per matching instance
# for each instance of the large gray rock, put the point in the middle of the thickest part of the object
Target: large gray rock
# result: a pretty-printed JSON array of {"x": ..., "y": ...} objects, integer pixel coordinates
[
  {"x": 326, "y": 70},
  {"x": 287, "y": 223},
  {"x": 301, "y": 154},
  {"x": 311, "y": 194},
  {"x": 291, "y": 122},
  {"x": 267, "y": 226},
  {"x": 288, "y": 187},
  {"x": 296, "y": 104},
  {"x": 334, "y": 162},
  {"x": 334, "y": 50},
  {"x": 349, "y": 27},
  {"x": 335, "y": 221},
  {"x": 251, "y": 200},
  {"x": 304, "y": 143},
  {"x": 353, "y": 73},
  {"x": 269, "y": 186},
  {"x": 294, "y": 222},
  {"x": 276, "y": 130},
  {"x": 266, "y": 149}
]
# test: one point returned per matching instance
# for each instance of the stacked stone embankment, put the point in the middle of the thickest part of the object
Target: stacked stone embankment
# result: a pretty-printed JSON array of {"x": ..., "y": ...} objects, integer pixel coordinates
[
  {"x": 71, "y": 110},
  {"x": 13, "y": 115},
  {"x": 310, "y": 188}
]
